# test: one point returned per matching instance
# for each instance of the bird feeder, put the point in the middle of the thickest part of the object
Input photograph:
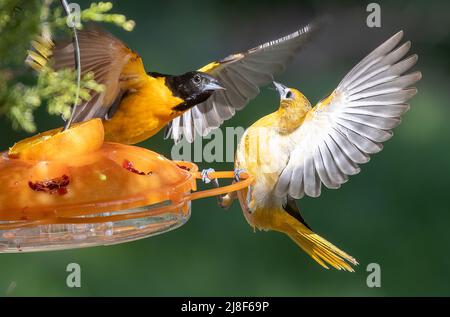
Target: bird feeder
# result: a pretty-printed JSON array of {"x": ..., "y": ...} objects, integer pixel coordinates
[{"x": 70, "y": 189}]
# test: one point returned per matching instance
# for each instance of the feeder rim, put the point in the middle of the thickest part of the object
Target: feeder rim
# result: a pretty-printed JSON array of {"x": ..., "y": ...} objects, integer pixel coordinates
[{"x": 245, "y": 181}]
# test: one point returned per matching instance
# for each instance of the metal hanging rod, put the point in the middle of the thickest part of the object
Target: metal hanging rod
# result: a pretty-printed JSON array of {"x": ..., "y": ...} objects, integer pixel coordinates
[{"x": 76, "y": 46}]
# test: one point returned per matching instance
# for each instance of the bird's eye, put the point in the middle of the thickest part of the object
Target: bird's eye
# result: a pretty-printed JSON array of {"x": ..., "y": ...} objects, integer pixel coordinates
[
  {"x": 197, "y": 79},
  {"x": 289, "y": 95}
]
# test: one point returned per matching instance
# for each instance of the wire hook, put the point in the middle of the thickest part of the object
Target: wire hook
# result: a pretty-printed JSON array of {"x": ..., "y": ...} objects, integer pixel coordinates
[{"x": 76, "y": 46}]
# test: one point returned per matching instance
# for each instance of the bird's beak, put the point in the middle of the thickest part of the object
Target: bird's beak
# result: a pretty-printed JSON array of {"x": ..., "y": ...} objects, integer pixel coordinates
[
  {"x": 213, "y": 86},
  {"x": 282, "y": 89}
]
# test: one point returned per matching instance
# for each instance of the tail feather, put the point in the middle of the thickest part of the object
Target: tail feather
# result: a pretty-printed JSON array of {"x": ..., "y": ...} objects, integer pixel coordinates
[
  {"x": 39, "y": 57},
  {"x": 322, "y": 251}
]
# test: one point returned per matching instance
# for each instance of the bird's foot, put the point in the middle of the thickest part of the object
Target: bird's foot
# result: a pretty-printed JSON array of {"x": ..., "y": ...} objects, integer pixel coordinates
[
  {"x": 224, "y": 201},
  {"x": 237, "y": 174},
  {"x": 207, "y": 179}
]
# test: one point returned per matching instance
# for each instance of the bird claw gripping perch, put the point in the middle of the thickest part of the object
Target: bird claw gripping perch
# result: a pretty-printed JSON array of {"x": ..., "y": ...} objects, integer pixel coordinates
[
  {"x": 237, "y": 173},
  {"x": 222, "y": 200},
  {"x": 207, "y": 179},
  {"x": 237, "y": 176},
  {"x": 225, "y": 200}
]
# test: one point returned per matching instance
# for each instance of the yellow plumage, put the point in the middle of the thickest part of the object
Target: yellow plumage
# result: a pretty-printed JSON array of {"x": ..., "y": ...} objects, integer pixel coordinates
[
  {"x": 263, "y": 152},
  {"x": 136, "y": 104},
  {"x": 143, "y": 113},
  {"x": 297, "y": 149}
]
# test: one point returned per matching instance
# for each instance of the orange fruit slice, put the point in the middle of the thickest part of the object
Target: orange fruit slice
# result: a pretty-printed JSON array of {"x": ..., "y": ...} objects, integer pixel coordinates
[{"x": 81, "y": 138}]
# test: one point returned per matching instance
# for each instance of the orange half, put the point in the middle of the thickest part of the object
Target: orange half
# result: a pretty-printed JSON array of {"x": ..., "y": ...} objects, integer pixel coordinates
[{"x": 81, "y": 138}]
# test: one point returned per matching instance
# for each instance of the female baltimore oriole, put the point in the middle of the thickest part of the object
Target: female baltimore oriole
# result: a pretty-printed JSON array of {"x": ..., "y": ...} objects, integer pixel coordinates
[
  {"x": 294, "y": 150},
  {"x": 135, "y": 105}
]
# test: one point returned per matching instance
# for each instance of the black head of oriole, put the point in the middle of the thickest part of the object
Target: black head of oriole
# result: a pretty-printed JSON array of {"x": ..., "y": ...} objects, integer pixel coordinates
[
  {"x": 136, "y": 104},
  {"x": 193, "y": 87}
]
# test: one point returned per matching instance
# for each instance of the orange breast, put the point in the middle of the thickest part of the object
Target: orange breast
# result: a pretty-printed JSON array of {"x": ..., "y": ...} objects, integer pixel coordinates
[{"x": 142, "y": 113}]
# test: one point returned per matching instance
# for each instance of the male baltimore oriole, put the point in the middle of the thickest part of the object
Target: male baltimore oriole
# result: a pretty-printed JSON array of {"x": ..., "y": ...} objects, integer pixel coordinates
[
  {"x": 294, "y": 150},
  {"x": 135, "y": 105}
]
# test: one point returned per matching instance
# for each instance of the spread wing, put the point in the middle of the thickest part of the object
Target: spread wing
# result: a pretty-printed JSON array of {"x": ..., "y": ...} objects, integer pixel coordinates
[
  {"x": 112, "y": 63},
  {"x": 241, "y": 74},
  {"x": 352, "y": 123}
]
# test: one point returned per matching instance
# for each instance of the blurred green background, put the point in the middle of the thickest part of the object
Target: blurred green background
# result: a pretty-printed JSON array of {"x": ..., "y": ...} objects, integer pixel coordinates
[{"x": 394, "y": 213}]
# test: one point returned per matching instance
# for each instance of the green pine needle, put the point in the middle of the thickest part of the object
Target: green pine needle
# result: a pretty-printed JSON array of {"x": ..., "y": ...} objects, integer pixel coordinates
[{"x": 21, "y": 91}]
